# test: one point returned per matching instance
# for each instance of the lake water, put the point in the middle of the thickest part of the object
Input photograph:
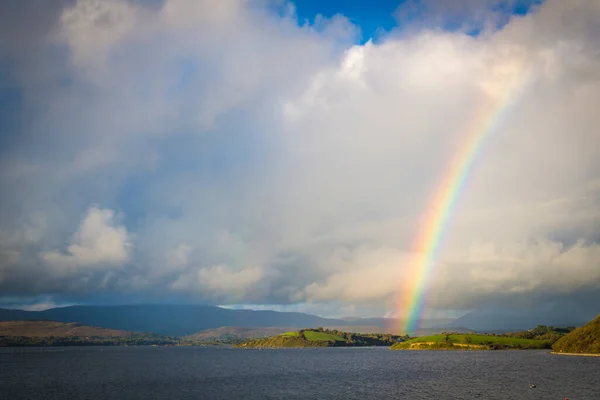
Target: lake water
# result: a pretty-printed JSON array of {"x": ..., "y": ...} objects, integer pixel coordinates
[{"x": 326, "y": 373}]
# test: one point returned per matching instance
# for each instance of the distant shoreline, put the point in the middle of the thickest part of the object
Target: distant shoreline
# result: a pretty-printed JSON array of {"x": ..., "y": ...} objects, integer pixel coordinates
[{"x": 576, "y": 354}]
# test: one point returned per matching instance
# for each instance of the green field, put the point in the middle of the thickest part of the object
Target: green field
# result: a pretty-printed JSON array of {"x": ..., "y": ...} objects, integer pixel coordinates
[
  {"x": 476, "y": 339},
  {"x": 470, "y": 342},
  {"x": 321, "y": 337},
  {"x": 315, "y": 336}
]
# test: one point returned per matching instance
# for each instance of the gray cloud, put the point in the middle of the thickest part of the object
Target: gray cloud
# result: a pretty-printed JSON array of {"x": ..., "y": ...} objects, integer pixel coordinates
[{"x": 254, "y": 161}]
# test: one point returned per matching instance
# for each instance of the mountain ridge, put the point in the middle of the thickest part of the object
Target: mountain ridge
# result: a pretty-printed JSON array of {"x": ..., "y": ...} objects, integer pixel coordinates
[
  {"x": 57, "y": 329},
  {"x": 177, "y": 320},
  {"x": 508, "y": 320},
  {"x": 182, "y": 320}
]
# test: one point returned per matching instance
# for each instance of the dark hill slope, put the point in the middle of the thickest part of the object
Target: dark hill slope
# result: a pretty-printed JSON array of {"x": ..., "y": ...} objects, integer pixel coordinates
[
  {"x": 56, "y": 329},
  {"x": 178, "y": 320},
  {"x": 583, "y": 340},
  {"x": 175, "y": 320},
  {"x": 516, "y": 320},
  {"x": 228, "y": 333},
  {"x": 181, "y": 320}
]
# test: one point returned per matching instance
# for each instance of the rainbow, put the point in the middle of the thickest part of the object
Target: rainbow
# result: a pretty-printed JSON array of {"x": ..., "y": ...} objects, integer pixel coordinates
[{"x": 411, "y": 298}]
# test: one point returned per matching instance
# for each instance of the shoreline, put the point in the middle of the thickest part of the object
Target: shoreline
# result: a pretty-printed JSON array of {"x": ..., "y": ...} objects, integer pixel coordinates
[
  {"x": 576, "y": 354},
  {"x": 476, "y": 349}
]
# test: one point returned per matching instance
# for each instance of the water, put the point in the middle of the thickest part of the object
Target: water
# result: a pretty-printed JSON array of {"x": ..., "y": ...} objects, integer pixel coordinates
[{"x": 327, "y": 373}]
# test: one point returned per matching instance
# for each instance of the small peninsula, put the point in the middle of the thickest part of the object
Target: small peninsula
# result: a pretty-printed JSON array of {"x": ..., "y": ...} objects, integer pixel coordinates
[
  {"x": 321, "y": 337},
  {"x": 584, "y": 340}
]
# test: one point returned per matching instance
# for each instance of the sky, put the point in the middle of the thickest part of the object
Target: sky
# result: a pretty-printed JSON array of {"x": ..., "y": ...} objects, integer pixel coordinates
[{"x": 283, "y": 155}]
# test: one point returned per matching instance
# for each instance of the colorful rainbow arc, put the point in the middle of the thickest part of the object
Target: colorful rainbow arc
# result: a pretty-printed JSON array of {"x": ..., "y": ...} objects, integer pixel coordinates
[{"x": 412, "y": 298}]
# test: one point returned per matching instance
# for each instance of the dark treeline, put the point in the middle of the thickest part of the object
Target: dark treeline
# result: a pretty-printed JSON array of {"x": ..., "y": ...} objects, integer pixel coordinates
[
  {"x": 549, "y": 334},
  {"x": 136, "y": 340}
]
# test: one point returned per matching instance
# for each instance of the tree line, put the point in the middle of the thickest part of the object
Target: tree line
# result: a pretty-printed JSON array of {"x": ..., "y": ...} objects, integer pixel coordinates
[
  {"x": 136, "y": 340},
  {"x": 363, "y": 339}
]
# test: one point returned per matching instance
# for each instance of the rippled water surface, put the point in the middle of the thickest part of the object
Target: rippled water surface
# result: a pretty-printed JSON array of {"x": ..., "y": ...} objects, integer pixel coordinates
[{"x": 327, "y": 373}]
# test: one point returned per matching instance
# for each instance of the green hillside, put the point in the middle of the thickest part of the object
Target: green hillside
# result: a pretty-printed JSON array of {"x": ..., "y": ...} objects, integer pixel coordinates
[
  {"x": 469, "y": 342},
  {"x": 324, "y": 338},
  {"x": 282, "y": 341},
  {"x": 583, "y": 340},
  {"x": 316, "y": 336}
]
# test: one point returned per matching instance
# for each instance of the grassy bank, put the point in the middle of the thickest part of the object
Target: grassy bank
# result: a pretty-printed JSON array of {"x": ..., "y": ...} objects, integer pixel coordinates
[
  {"x": 469, "y": 342},
  {"x": 583, "y": 340},
  {"x": 577, "y": 354}
]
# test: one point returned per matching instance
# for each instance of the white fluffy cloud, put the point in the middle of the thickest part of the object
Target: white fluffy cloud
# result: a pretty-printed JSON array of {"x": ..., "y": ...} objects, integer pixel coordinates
[
  {"x": 259, "y": 161},
  {"x": 99, "y": 241},
  {"x": 364, "y": 275}
]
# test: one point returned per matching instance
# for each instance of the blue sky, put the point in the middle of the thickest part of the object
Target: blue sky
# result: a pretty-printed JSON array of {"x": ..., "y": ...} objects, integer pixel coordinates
[
  {"x": 373, "y": 17},
  {"x": 376, "y": 18}
]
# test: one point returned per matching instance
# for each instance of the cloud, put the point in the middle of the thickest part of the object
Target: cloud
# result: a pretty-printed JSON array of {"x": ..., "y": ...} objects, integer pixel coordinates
[
  {"x": 98, "y": 242},
  {"x": 542, "y": 269},
  {"x": 221, "y": 282},
  {"x": 178, "y": 257},
  {"x": 462, "y": 15},
  {"x": 378, "y": 267},
  {"x": 35, "y": 306},
  {"x": 258, "y": 161}
]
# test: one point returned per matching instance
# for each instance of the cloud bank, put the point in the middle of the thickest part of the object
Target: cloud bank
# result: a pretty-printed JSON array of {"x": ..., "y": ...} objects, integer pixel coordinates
[{"x": 227, "y": 154}]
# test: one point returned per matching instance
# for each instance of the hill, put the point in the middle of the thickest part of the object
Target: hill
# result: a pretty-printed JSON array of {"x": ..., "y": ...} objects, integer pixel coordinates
[
  {"x": 52, "y": 333},
  {"x": 541, "y": 332},
  {"x": 235, "y": 333},
  {"x": 315, "y": 335},
  {"x": 358, "y": 328},
  {"x": 560, "y": 315},
  {"x": 440, "y": 330},
  {"x": 582, "y": 340},
  {"x": 323, "y": 338},
  {"x": 182, "y": 320},
  {"x": 56, "y": 329},
  {"x": 469, "y": 342},
  {"x": 175, "y": 320}
]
